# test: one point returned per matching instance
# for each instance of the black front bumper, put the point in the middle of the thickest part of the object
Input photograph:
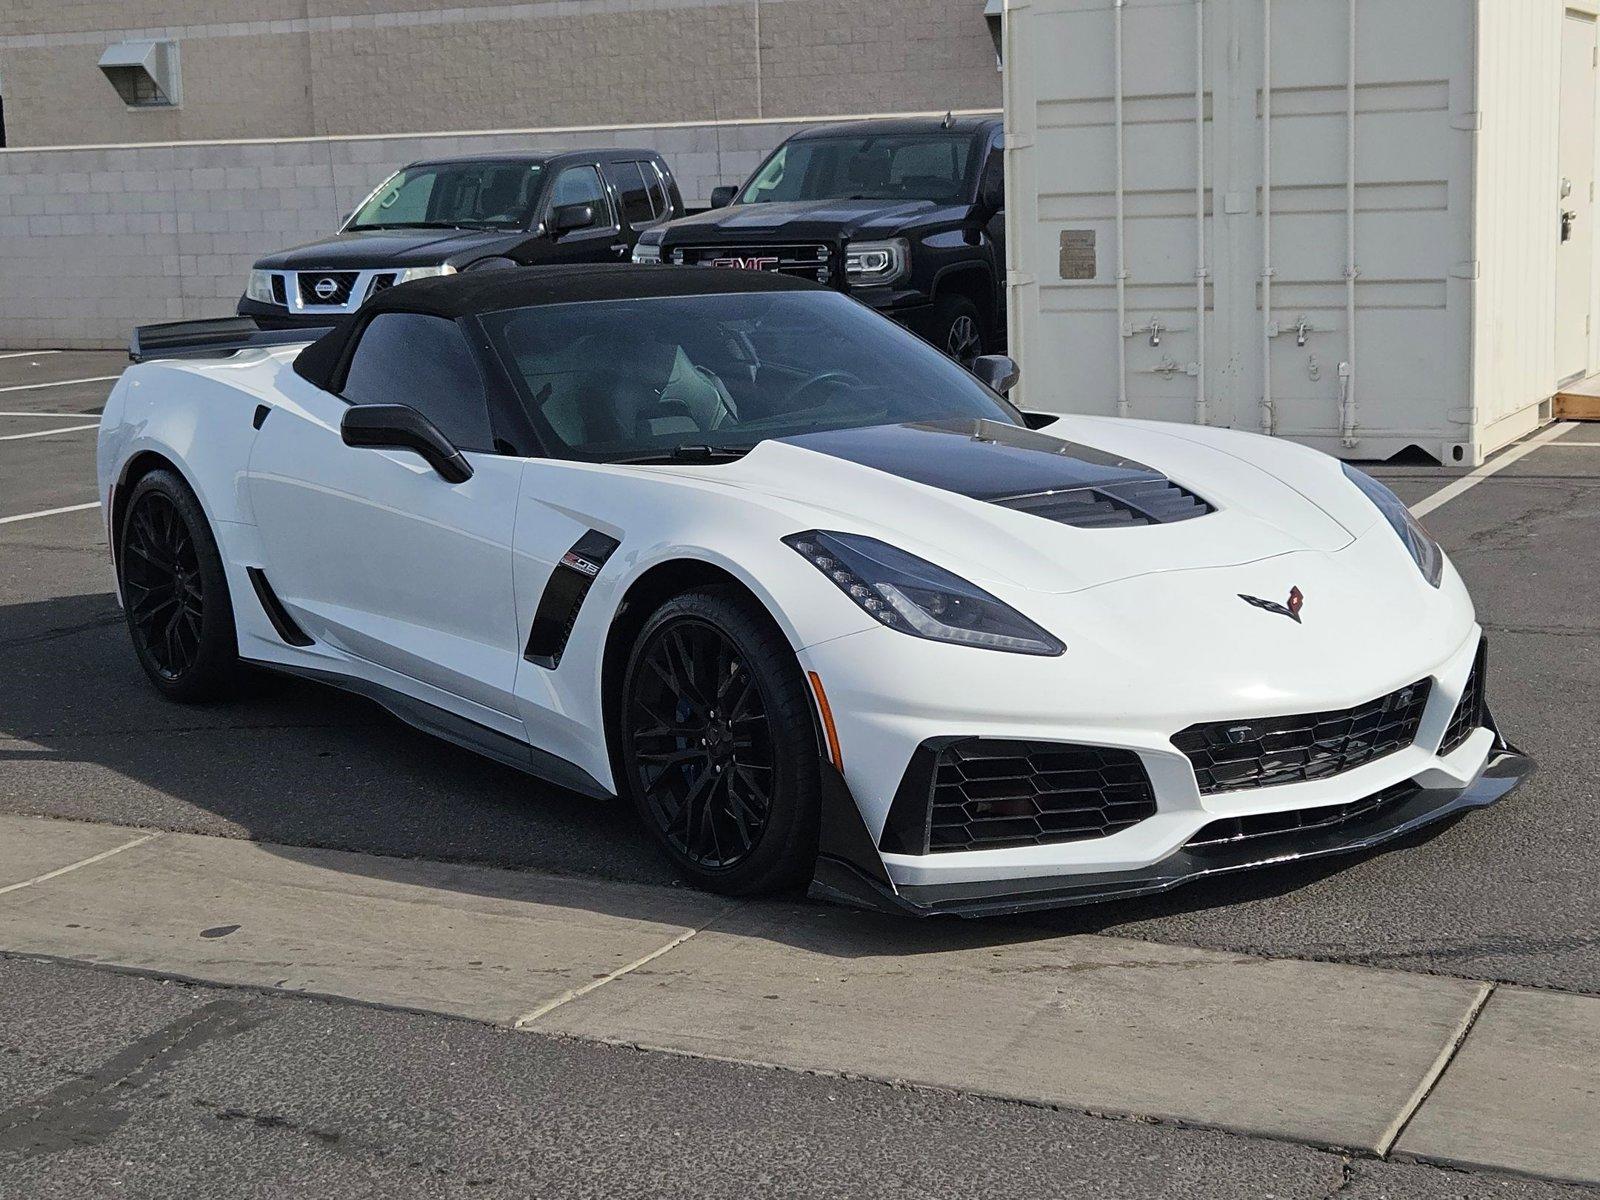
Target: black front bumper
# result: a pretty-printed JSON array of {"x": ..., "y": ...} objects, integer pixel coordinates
[
  {"x": 274, "y": 316},
  {"x": 845, "y": 879}
]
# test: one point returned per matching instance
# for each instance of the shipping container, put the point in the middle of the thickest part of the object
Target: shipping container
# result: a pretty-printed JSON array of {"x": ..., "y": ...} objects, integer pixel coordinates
[{"x": 1366, "y": 225}]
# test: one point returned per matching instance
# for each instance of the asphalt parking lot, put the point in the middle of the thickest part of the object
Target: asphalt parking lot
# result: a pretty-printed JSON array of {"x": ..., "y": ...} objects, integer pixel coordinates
[{"x": 1507, "y": 896}]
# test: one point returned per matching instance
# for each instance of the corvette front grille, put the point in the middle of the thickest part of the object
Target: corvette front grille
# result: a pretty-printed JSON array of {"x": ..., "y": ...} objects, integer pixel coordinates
[
  {"x": 1267, "y": 751},
  {"x": 1471, "y": 711},
  {"x": 989, "y": 794},
  {"x": 1299, "y": 820}
]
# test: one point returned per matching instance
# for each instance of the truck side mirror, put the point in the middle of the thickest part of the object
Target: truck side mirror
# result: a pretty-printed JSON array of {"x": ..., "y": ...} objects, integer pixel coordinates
[
  {"x": 571, "y": 217},
  {"x": 723, "y": 196},
  {"x": 998, "y": 371}
]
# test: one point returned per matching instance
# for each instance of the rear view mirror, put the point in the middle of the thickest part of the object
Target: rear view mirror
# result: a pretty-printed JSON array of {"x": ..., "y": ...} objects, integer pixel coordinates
[
  {"x": 569, "y": 218},
  {"x": 998, "y": 371},
  {"x": 723, "y": 196},
  {"x": 400, "y": 427}
]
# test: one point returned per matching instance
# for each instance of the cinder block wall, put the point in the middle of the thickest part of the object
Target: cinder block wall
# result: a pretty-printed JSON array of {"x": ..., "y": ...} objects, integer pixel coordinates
[{"x": 95, "y": 241}]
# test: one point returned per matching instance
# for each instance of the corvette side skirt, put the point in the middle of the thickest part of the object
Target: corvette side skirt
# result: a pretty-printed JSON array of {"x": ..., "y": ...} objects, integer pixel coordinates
[
  {"x": 469, "y": 735},
  {"x": 846, "y": 882}
]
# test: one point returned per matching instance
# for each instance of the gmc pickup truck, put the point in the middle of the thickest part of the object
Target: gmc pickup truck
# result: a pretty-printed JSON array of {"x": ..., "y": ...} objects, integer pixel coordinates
[
  {"x": 467, "y": 214},
  {"x": 906, "y": 214}
]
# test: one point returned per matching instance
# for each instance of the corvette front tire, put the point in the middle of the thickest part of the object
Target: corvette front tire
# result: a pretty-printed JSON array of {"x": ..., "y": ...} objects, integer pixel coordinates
[
  {"x": 718, "y": 746},
  {"x": 175, "y": 592}
]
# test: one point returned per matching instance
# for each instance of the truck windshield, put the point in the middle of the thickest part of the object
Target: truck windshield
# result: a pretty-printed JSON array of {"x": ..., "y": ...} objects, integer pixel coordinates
[
  {"x": 705, "y": 378},
  {"x": 461, "y": 195},
  {"x": 918, "y": 166}
]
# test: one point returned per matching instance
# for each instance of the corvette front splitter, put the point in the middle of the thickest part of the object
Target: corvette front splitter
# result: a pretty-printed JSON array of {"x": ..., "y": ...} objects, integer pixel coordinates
[{"x": 842, "y": 878}]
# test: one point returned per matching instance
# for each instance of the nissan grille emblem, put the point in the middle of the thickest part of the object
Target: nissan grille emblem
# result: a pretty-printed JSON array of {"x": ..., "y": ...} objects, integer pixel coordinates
[
  {"x": 1291, "y": 609},
  {"x": 325, "y": 288}
]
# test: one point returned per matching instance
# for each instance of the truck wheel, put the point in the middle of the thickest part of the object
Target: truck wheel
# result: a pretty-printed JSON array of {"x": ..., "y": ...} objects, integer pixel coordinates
[{"x": 958, "y": 328}]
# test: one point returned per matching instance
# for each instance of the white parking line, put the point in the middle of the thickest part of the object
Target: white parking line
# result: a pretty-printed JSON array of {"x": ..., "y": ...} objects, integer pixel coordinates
[
  {"x": 20, "y": 413},
  {"x": 87, "y": 862},
  {"x": 50, "y": 512},
  {"x": 17, "y": 437},
  {"x": 1454, "y": 488},
  {"x": 28, "y": 353},
  {"x": 30, "y": 387}
]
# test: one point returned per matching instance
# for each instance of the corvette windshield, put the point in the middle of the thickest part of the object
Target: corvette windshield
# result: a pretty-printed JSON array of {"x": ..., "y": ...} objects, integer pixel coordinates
[
  {"x": 707, "y": 377},
  {"x": 459, "y": 195}
]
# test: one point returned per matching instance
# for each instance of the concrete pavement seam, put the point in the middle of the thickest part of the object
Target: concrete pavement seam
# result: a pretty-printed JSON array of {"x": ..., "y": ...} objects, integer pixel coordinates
[
  {"x": 86, "y": 862},
  {"x": 1434, "y": 1073},
  {"x": 527, "y": 1019}
]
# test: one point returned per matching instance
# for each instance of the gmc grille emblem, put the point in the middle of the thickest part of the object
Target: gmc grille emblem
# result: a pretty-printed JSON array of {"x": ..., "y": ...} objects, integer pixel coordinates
[{"x": 752, "y": 263}]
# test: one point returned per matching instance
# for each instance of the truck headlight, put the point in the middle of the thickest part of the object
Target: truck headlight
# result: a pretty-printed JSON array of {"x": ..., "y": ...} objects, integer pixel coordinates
[
  {"x": 867, "y": 263},
  {"x": 913, "y": 596},
  {"x": 648, "y": 248},
  {"x": 413, "y": 273},
  {"x": 259, "y": 288}
]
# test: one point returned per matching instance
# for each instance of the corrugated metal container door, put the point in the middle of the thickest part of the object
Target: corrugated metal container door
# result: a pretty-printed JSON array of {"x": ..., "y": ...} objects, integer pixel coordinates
[{"x": 1337, "y": 142}]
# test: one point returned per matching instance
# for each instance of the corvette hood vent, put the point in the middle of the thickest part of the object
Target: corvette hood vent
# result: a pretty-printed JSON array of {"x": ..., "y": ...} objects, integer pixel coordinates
[
  {"x": 1144, "y": 502},
  {"x": 1016, "y": 468}
]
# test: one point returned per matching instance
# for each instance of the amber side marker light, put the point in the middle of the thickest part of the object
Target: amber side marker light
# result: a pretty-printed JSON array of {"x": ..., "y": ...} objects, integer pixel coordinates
[{"x": 828, "y": 730}]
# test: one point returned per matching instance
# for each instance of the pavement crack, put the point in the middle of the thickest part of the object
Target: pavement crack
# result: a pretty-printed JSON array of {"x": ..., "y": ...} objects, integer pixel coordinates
[{"x": 86, "y": 1110}]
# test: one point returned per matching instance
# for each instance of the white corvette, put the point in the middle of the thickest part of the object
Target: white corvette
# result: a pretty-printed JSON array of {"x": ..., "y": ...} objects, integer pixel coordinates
[{"x": 822, "y": 605}]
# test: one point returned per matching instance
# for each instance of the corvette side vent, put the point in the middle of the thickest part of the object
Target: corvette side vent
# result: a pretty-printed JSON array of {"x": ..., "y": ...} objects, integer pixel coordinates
[
  {"x": 564, "y": 594},
  {"x": 1139, "y": 502}
]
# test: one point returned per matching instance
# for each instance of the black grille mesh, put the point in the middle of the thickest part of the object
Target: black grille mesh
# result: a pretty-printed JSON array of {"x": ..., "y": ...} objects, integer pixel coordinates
[
  {"x": 989, "y": 794},
  {"x": 1470, "y": 711},
  {"x": 342, "y": 281},
  {"x": 1265, "y": 751},
  {"x": 808, "y": 260},
  {"x": 1332, "y": 816},
  {"x": 1142, "y": 502}
]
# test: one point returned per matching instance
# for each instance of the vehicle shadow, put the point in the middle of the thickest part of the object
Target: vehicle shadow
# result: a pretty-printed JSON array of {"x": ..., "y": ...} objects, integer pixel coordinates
[{"x": 303, "y": 768}]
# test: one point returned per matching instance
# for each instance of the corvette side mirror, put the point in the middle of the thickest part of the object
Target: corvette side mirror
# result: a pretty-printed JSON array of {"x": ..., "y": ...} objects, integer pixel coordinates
[
  {"x": 999, "y": 371},
  {"x": 723, "y": 196},
  {"x": 569, "y": 218},
  {"x": 400, "y": 427}
]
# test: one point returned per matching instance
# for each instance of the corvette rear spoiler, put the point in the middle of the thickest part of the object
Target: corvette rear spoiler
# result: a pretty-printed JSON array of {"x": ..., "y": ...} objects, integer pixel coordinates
[{"x": 212, "y": 338}]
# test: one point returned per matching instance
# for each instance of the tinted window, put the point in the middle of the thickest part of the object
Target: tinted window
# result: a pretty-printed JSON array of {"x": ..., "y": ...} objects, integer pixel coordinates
[
  {"x": 658, "y": 190},
  {"x": 636, "y": 206},
  {"x": 491, "y": 195},
  {"x": 623, "y": 378},
  {"x": 919, "y": 166},
  {"x": 406, "y": 358},
  {"x": 581, "y": 185}
]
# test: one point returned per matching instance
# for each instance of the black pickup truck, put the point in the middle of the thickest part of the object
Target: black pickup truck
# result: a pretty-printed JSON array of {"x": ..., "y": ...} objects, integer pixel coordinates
[
  {"x": 467, "y": 214},
  {"x": 906, "y": 214}
]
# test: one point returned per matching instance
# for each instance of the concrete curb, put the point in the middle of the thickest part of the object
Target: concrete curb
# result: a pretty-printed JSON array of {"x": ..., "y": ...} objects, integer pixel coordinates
[{"x": 1330, "y": 1054}]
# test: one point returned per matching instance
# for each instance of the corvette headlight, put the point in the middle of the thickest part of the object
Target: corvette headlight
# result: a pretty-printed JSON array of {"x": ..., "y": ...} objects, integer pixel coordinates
[
  {"x": 259, "y": 288},
  {"x": 868, "y": 263},
  {"x": 414, "y": 273},
  {"x": 912, "y": 595},
  {"x": 1423, "y": 549}
]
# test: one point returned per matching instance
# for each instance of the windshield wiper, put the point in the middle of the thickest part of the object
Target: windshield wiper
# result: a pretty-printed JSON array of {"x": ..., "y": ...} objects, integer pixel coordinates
[
  {"x": 690, "y": 453},
  {"x": 426, "y": 225}
]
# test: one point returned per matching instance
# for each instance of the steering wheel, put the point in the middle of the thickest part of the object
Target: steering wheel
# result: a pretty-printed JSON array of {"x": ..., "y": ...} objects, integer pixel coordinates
[{"x": 826, "y": 378}]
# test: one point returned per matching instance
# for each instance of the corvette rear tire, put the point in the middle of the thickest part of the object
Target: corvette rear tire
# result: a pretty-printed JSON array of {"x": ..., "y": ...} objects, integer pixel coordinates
[
  {"x": 718, "y": 746},
  {"x": 175, "y": 592}
]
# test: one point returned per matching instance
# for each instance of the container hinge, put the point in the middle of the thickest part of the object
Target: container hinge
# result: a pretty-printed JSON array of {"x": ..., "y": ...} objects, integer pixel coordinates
[
  {"x": 1465, "y": 270},
  {"x": 1020, "y": 279},
  {"x": 1467, "y": 120}
]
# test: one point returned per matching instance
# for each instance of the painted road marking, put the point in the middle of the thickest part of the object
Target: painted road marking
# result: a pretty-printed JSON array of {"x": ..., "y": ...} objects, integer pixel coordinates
[
  {"x": 20, "y": 413},
  {"x": 84, "y": 862},
  {"x": 28, "y": 353},
  {"x": 50, "y": 512},
  {"x": 1520, "y": 451},
  {"x": 17, "y": 437},
  {"x": 29, "y": 387}
]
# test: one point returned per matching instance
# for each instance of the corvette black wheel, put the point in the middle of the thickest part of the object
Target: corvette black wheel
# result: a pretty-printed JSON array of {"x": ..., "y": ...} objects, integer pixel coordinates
[
  {"x": 718, "y": 747},
  {"x": 174, "y": 591}
]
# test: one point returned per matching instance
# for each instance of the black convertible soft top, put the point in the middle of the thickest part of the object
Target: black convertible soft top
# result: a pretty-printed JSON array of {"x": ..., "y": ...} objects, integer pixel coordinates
[{"x": 475, "y": 293}]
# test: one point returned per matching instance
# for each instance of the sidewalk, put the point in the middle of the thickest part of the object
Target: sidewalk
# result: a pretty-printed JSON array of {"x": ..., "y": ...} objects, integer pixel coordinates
[{"x": 1443, "y": 1070}]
